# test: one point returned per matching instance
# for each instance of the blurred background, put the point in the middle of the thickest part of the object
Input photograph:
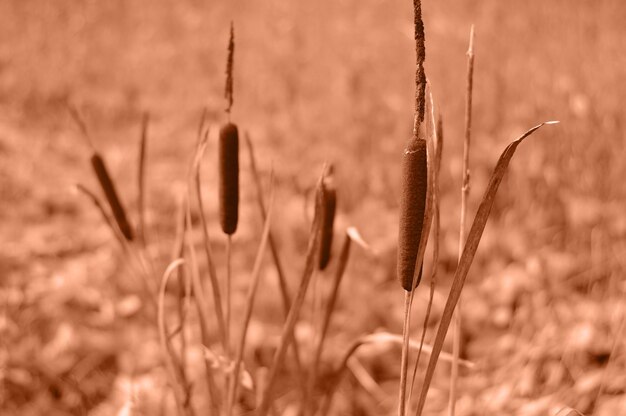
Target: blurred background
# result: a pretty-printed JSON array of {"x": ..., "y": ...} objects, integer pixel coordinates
[{"x": 319, "y": 81}]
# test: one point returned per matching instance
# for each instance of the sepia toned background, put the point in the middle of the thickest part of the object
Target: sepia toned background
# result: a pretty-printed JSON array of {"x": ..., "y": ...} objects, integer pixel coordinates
[{"x": 544, "y": 306}]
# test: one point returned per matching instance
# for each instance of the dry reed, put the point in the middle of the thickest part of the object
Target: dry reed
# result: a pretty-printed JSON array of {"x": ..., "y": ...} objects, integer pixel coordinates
[
  {"x": 456, "y": 344},
  {"x": 294, "y": 312}
]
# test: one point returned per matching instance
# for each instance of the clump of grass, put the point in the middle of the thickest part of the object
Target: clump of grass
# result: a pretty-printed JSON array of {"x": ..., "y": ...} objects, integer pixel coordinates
[
  {"x": 413, "y": 200},
  {"x": 287, "y": 333},
  {"x": 282, "y": 280},
  {"x": 252, "y": 290}
]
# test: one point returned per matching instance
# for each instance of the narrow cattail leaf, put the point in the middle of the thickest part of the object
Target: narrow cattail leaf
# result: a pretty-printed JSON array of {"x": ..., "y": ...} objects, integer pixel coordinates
[
  {"x": 194, "y": 181},
  {"x": 412, "y": 209},
  {"x": 100, "y": 206},
  {"x": 250, "y": 297},
  {"x": 435, "y": 147},
  {"x": 469, "y": 251},
  {"x": 377, "y": 338},
  {"x": 111, "y": 195},
  {"x": 329, "y": 206},
  {"x": 229, "y": 177},
  {"x": 438, "y": 142},
  {"x": 174, "y": 368},
  {"x": 141, "y": 176},
  {"x": 330, "y": 307}
]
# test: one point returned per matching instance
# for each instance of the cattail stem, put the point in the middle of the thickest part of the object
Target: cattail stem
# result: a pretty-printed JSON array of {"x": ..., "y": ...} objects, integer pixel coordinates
[
  {"x": 178, "y": 380},
  {"x": 130, "y": 255},
  {"x": 215, "y": 286},
  {"x": 436, "y": 232},
  {"x": 456, "y": 345},
  {"x": 229, "y": 246},
  {"x": 203, "y": 317},
  {"x": 252, "y": 290},
  {"x": 78, "y": 119},
  {"x": 404, "y": 364}
]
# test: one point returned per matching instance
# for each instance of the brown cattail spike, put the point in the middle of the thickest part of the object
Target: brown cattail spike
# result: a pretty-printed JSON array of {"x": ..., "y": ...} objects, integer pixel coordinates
[
  {"x": 412, "y": 207},
  {"x": 228, "y": 91},
  {"x": 229, "y": 177},
  {"x": 109, "y": 191},
  {"x": 329, "y": 205}
]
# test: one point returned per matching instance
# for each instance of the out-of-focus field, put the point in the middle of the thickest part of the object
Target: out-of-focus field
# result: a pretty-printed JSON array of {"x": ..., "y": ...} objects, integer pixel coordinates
[{"x": 544, "y": 307}]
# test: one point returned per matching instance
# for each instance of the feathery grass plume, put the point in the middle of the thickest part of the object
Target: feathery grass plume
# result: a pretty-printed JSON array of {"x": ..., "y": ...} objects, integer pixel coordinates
[
  {"x": 329, "y": 205},
  {"x": 228, "y": 90},
  {"x": 420, "y": 56}
]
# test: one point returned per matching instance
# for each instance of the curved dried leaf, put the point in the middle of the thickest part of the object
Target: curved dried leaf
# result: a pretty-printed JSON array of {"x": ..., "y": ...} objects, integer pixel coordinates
[{"x": 471, "y": 245}]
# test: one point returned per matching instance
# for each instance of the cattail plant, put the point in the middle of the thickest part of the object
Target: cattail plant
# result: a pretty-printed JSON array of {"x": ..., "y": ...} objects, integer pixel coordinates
[
  {"x": 105, "y": 181},
  {"x": 97, "y": 162},
  {"x": 228, "y": 172},
  {"x": 413, "y": 199},
  {"x": 329, "y": 205},
  {"x": 229, "y": 154}
]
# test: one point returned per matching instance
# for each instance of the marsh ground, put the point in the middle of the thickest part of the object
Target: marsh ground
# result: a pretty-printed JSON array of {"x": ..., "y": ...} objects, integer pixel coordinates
[{"x": 316, "y": 81}]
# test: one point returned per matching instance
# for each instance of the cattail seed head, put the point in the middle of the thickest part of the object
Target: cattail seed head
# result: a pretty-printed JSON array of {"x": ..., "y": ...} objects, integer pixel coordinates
[
  {"x": 229, "y": 177},
  {"x": 412, "y": 209},
  {"x": 111, "y": 195},
  {"x": 329, "y": 206}
]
